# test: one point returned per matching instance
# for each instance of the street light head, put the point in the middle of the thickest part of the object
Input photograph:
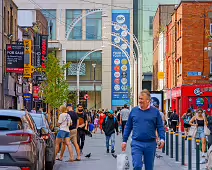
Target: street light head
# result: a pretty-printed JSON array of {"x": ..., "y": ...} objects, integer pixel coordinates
[
  {"x": 94, "y": 65},
  {"x": 103, "y": 46},
  {"x": 104, "y": 14}
]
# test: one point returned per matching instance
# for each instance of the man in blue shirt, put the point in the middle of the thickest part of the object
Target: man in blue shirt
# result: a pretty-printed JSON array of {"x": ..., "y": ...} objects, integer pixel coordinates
[{"x": 144, "y": 120}]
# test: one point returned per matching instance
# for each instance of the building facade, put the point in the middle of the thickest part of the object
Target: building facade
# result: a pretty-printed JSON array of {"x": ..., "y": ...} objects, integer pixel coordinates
[
  {"x": 10, "y": 29},
  {"x": 144, "y": 12},
  {"x": 91, "y": 32},
  {"x": 188, "y": 65},
  {"x": 162, "y": 18},
  {"x": 1, "y": 54}
]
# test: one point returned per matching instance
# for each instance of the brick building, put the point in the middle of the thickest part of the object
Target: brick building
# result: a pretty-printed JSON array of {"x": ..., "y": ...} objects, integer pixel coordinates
[
  {"x": 187, "y": 64},
  {"x": 161, "y": 19}
]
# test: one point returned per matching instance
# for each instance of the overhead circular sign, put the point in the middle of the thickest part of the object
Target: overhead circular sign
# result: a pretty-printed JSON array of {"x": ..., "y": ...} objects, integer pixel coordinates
[{"x": 120, "y": 19}]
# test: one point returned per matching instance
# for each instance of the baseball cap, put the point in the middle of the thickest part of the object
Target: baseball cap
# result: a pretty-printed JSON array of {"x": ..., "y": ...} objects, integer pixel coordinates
[
  {"x": 69, "y": 105},
  {"x": 111, "y": 112}
]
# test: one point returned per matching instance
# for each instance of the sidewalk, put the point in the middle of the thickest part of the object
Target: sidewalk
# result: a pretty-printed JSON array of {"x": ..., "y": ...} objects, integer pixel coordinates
[
  {"x": 202, "y": 166},
  {"x": 103, "y": 161}
]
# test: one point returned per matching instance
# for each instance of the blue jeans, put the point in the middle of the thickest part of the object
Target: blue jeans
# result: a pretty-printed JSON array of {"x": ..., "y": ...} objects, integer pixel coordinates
[
  {"x": 112, "y": 137},
  {"x": 146, "y": 149}
]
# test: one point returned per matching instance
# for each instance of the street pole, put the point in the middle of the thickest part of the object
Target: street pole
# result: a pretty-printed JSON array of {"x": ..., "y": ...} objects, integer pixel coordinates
[{"x": 94, "y": 77}]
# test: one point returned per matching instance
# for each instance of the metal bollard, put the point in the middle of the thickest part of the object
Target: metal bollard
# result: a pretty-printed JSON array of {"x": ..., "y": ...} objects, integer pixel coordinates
[
  {"x": 183, "y": 149},
  {"x": 171, "y": 143},
  {"x": 189, "y": 153},
  {"x": 197, "y": 154},
  {"x": 167, "y": 142},
  {"x": 176, "y": 146}
]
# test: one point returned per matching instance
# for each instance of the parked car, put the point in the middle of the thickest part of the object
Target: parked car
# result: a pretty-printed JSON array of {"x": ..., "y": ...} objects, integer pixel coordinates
[
  {"x": 20, "y": 143},
  {"x": 48, "y": 136}
]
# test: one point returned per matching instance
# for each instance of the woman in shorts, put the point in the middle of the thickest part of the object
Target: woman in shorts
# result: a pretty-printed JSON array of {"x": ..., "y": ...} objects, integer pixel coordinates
[{"x": 64, "y": 122}]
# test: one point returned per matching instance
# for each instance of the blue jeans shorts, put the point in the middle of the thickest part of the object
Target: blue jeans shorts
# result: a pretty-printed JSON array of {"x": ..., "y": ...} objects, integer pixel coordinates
[
  {"x": 63, "y": 134},
  {"x": 200, "y": 132}
]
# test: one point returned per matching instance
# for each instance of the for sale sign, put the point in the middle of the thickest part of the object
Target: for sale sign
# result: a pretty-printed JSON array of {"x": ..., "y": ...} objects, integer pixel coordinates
[{"x": 15, "y": 58}]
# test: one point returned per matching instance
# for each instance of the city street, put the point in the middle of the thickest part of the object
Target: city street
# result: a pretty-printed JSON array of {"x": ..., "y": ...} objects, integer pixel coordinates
[{"x": 101, "y": 160}]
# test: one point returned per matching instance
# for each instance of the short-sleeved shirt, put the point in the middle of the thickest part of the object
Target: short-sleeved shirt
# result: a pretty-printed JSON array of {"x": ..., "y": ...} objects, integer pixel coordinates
[
  {"x": 74, "y": 118},
  {"x": 125, "y": 114},
  {"x": 162, "y": 116},
  {"x": 82, "y": 118},
  {"x": 65, "y": 121}
]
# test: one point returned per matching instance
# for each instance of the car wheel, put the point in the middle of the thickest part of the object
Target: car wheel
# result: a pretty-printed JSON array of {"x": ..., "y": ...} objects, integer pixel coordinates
[{"x": 49, "y": 165}]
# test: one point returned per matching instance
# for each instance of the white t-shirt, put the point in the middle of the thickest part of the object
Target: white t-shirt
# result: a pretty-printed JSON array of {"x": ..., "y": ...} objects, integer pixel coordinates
[
  {"x": 125, "y": 114},
  {"x": 65, "y": 121}
]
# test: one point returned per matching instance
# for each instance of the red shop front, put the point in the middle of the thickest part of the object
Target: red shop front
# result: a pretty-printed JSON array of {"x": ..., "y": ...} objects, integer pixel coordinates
[{"x": 191, "y": 97}]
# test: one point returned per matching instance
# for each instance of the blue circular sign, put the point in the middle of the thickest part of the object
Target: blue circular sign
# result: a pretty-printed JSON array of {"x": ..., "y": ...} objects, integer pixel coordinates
[{"x": 200, "y": 102}]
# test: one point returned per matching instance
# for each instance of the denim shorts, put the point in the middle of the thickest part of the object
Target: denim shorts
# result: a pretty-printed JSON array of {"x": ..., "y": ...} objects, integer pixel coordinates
[
  {"x": 200, "y": 132},
  {"x": 63, "y": 134}
]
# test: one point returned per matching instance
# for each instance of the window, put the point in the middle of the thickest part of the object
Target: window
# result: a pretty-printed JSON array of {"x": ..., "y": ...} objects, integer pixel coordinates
[
  {"x": 179, "y": 29},
  {"x": 210, "y": 65},
  {"x": 51, "y": 18},
  {"x": 76, "y": 33},
  {"x": 86, "y": 71},
  {"x": 9, "y": 123},
  {"x": 94, "y": 26},
  {"x": 151, "y": 18},
  {"x": 179, "y": 66}
]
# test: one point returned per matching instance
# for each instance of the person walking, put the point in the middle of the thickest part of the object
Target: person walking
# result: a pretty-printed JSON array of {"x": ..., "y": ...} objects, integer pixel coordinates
[
  {"x": 124, "y": 115},
  {"x": 73, "y": 133},
  {"x": 64, "y": 122},
  {"x": 110, "y": 124},
  {"x": 186, "y": 118},
  {"x": 143, "y": 121},
  {"x": 174, "y": 121},
  {"x": 83, "y": 125},
  {"x": 102, "y": 116}
]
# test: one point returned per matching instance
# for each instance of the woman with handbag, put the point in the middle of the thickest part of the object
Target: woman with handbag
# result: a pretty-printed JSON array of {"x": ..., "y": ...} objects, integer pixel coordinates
[
  {"x": 201, "y": 124},
  {"x": 64, "y": 122}
]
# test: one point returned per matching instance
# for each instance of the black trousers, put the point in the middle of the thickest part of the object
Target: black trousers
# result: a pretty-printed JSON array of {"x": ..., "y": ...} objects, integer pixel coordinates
[
  {"x": 174, "y": 125},
  {"x": 123, "y": 126},
  {"x": 81, "y": 139}
]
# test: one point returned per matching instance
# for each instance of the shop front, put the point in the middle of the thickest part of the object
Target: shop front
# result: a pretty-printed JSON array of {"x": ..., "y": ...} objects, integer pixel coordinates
[{"x": 191, "y": 97}]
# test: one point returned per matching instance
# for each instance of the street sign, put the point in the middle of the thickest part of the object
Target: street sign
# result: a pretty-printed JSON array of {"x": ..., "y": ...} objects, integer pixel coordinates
[
  {"x": 161, "y": 75},
  {"x": 28, "y": 70}
]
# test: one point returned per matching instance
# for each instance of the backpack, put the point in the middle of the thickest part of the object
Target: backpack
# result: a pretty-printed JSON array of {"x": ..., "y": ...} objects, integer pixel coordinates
[{"x": 113, "y": 119}]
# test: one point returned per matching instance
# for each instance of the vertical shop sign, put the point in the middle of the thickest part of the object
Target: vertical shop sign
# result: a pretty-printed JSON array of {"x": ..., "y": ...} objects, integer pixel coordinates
[
  {"x": 120, "y": 65},
  {"x": 44, "y": 52}
]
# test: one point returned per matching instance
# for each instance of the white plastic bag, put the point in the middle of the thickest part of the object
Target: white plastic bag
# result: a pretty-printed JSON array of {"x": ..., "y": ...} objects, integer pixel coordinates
[{"x": 123, "y": 162}]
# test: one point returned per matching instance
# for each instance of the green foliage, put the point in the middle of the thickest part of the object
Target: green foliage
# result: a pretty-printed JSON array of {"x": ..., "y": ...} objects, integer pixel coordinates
[
  {"x": 72, "y": 98},
  {"x": 55, "y": 89},
  {"x": 130, "y": 96}
]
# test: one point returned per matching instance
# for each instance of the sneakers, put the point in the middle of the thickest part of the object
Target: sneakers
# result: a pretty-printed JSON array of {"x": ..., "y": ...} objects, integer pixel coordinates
[
  {"x": 107, "y": 150},
  {"x": 203, "y": 155},
  {"x": 112, "y": 151}
]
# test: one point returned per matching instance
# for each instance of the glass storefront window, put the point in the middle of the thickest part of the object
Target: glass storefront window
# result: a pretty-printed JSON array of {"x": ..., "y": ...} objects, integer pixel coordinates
[
  {"x": 87, "y": 70},
  {"x": 50, "y": 15},
  {"x": 76, "y": 33},
  {"x": 94, "y": 26}
]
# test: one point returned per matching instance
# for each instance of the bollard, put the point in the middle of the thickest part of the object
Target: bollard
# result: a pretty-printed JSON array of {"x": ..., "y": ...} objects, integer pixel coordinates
[
  {"x": 171, "y": 143},
  {"x": 176, "y": 146},
  {"x": 167, "y": 142},
  {"x": 183, "y": 149},
  {"x": 197, "y": 154},
  {"x": 189, "y": 153}
]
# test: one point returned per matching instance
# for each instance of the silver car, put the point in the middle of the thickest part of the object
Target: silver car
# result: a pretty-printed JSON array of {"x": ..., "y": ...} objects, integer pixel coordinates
[{"x": 20, "y": 144}]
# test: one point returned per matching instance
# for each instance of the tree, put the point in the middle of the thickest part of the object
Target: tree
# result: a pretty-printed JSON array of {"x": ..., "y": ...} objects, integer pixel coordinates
[
  {"x": 130, "y": 96},
  {"x": 72, "y": 98},
  {"x": 55, "y": 89}
]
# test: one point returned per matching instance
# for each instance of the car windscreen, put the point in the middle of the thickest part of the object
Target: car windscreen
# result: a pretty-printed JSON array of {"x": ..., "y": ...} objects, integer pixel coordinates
[
  {"x": 10, "y": 123},
  {"x": 38, "y": 121}
]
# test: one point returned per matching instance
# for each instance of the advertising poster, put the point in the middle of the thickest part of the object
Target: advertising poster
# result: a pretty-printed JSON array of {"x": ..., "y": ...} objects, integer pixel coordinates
[
  {"x": 15, "y": 58},
  {"x": 44, "y": 50},
  {"x": 157, "y": 99},
  {"x": 120, "y": 65}
]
